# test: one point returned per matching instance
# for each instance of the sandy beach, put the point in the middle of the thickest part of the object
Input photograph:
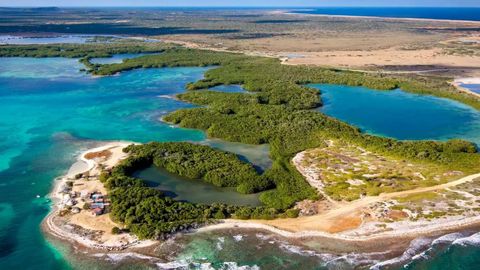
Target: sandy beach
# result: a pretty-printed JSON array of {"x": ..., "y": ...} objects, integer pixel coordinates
[
  {"x": 404, "y": 46},
  {"x": 403, "y": 231},
  {"x": 83, "y": 228},
  {"x": 461, "y": 81},
  {"x": 306, "y": 227},
  {"x": 377, "y": 17},
  {"x": 468, "y": 80}
]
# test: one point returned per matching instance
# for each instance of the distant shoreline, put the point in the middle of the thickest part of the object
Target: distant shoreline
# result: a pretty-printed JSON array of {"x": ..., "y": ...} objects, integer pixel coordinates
[
  {"x": 379, "y": 17},
  {"x": 458, "y": 83}
]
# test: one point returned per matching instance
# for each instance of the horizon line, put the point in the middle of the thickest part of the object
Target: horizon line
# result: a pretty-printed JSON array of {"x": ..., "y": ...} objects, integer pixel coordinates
[{"x": 233, "y": 6}]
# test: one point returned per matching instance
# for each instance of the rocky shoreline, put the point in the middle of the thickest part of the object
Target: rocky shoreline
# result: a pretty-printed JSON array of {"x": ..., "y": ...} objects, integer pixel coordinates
[
  {"x": 364, "y": 237},
  {"x": 78, "y": 231}
]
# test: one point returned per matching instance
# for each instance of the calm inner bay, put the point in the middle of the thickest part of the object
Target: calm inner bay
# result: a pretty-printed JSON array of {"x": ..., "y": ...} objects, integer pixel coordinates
[{"x": 399, "y": 114}]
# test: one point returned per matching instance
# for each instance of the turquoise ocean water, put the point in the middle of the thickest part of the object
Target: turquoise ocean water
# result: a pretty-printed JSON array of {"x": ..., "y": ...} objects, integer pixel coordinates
[{"x": 50, "y": 112}]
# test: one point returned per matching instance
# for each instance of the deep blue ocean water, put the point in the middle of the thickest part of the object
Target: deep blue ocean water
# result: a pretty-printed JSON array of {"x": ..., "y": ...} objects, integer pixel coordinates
[
  {"x": 50, "y": 112},
  {"x": 450, "y": 13}
]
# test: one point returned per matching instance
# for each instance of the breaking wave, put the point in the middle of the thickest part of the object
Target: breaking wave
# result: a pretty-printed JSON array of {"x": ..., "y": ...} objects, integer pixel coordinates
[
  {"x": 185, "y": 265},
  {"x": 424, "y": 249}
]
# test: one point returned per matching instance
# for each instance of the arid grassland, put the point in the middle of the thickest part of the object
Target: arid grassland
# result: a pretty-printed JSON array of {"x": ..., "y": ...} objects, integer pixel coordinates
[
  {"x": 347, "y": 172},
  {"x": 446, "y": 48}
]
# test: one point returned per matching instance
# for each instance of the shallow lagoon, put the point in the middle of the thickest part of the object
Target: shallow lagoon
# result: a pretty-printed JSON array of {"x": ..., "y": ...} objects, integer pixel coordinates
[
  {"x": 66, "y": 39},
  {"x": 193, "y": 190},
  {"x": 258, "y": 155},
  {"x": 399, "y": 114},
  {"x": 42, "y": 40}
]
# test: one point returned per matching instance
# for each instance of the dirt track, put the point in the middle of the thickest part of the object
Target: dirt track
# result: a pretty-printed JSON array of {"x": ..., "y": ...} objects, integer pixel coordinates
[{"x": 348, "y": 215}]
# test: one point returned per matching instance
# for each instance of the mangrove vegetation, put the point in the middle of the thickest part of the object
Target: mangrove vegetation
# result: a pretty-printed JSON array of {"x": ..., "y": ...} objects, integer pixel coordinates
[
  {"x": 278, "y": 111},
  {"x": 149, "y": 214}
]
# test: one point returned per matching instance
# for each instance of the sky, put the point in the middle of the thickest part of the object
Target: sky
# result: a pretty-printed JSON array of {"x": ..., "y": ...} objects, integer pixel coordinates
[{"x": 265, "y": 3}]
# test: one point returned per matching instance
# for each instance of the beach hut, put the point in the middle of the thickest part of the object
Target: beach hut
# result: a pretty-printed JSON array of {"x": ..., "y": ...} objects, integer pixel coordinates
[
  {"x": 97, "y": 211},
  {"x": 73, "y": 194},
  {"x": 70, "y": 202},
  {"x": 98, "y": 205},
  {"x": 97, "y": 198},
  {"x": 66, "y": 198},
  {"x": 84, "y": 194}
]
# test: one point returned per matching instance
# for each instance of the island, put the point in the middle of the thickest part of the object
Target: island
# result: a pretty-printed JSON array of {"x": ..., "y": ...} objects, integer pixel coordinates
[{"x": 328, "y": 178}]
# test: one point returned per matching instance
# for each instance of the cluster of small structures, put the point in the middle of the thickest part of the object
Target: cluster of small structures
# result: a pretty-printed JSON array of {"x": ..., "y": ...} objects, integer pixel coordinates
[
  {"x": 83, "y": 203},
  {"x": 76, "y": 201}
]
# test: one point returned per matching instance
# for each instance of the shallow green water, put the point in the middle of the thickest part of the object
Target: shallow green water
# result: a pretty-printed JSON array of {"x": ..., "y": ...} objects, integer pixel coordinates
[
  {"x": 258, "y": 155},
  {"x": 191, "y": 190}
]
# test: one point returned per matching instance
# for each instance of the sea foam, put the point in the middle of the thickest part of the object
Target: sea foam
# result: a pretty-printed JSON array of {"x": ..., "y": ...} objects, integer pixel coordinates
[{"x": 472, "y": 240}]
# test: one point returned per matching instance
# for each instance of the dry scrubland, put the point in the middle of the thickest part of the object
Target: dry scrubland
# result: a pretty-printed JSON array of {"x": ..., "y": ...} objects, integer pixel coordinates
[
  {"x": 440, "y": 47},
  {"x": 367, "y": 194},
  {"x": 346, "y": 172}
]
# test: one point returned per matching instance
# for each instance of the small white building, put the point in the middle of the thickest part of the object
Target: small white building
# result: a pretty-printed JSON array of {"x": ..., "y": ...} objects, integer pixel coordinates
[{"x": 84, "y": 194}]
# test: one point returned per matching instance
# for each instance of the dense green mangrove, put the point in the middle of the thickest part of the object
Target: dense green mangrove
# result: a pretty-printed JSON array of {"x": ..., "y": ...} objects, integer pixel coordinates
[
  {"x": 89, "y": 50},
  {"x": 213, "y": 166},
  {"x": 278, "y": 111},
  {"x": 261, "y": 74},
  {"x": 82, "y": 51},
  {"x": 149, "y": 214}
]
